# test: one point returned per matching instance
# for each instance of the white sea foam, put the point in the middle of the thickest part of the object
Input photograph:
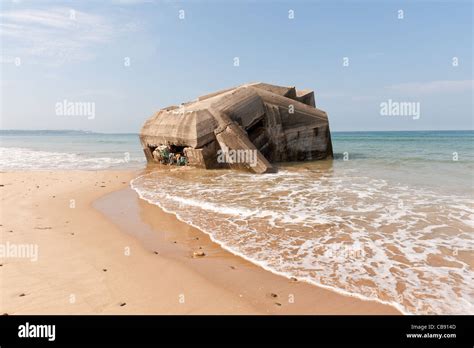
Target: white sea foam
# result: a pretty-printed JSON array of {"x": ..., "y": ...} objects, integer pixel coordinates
[
  {"x": 357, "y": 235},
  {"x": 15, "y": 158}
]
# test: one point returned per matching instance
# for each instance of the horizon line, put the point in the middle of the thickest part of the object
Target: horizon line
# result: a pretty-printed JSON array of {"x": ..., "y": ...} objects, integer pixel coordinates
[{"x": 137, "y": 133}]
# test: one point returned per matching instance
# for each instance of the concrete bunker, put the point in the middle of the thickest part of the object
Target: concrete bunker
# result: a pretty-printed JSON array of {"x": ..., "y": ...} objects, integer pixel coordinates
[{"x": 249, "y": 126}]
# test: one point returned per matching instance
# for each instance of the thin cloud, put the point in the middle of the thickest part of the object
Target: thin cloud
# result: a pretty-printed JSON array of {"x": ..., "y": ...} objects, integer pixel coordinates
[{"x": 56, "y": 35}]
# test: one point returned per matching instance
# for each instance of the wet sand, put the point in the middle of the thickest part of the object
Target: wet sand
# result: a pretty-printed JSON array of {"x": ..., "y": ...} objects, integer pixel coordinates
[{"x": 102, "y": 250}]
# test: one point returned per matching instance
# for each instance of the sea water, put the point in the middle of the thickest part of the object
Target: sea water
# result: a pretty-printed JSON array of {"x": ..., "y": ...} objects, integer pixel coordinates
[
  {"x": 390, "y": 219},
  {"x": 49, "y": 150}
]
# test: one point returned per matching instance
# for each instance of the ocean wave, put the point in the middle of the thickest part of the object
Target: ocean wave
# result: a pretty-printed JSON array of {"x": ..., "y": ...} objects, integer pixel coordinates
[
  {"x": 15, "y": 158},
  {"x": 360, "y": 236}
]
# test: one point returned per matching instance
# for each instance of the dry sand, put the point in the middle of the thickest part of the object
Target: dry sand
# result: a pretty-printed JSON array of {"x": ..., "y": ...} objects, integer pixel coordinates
[{"x": 101, "y": 250}]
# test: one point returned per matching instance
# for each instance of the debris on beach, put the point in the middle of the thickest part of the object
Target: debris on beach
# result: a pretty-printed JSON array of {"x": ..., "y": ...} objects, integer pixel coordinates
[{"x": 199, "y": 253}]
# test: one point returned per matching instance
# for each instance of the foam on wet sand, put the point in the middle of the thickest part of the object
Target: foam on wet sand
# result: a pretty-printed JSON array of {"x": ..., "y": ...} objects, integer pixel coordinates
[{"x": 141, "y": 263}]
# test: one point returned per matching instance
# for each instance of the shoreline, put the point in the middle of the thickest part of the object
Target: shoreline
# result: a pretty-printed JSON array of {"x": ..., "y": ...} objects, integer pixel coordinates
[
  {"x": 219, "y": 252},
  {"x": 81, "y": 255},
  {"x": 280, "y": 274}
]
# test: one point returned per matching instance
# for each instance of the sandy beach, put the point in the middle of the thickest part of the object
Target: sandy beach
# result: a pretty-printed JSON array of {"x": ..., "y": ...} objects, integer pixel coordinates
[{"x": 102, "y": 250}]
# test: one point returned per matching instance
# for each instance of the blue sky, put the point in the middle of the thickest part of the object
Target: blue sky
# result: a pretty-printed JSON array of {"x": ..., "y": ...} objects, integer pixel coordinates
[{"x": 50, "y": 54}]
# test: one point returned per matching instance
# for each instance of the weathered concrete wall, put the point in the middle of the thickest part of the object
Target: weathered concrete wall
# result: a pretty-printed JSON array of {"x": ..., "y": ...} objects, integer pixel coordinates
[
  {"x": 204, "y": 157},
  {"x": 234, "y": 138},
  {"x": 180, "y": 127},
  {"x": 306, "y": 97},
  {"x": 279, "y": 123}
]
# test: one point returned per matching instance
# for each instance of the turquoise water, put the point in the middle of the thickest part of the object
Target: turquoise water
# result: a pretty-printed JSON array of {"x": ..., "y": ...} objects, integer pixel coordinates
[
  {"x": 424, "y": 156},
  {"x": 440, "y": 159}
]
